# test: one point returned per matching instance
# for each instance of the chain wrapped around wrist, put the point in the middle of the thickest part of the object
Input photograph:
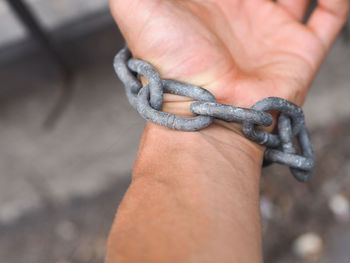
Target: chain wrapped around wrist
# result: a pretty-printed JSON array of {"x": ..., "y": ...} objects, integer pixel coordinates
[{"x": 280, "y": 148}]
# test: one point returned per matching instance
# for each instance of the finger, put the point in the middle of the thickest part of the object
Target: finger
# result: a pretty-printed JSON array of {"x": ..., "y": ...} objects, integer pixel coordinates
[
  {"x": 327, "y": 20},
  {"x": 296, "y": 8}
]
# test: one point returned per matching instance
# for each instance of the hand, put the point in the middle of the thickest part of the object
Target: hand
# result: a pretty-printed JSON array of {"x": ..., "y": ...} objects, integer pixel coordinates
[
  {"x": 195, "y": 196},
  {"x": 241, "y": 51}
]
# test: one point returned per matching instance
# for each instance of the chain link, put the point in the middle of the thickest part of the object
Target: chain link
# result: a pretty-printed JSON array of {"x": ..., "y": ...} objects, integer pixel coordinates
[{"x": 282, "y": 148}]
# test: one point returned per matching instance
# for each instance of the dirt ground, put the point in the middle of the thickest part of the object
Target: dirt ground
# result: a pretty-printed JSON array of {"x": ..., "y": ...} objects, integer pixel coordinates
[{"x": 301, "y": 208}]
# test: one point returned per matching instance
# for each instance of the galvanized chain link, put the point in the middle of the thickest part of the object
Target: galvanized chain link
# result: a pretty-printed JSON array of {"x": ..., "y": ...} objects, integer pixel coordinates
[{"x": 281, "y": 147}]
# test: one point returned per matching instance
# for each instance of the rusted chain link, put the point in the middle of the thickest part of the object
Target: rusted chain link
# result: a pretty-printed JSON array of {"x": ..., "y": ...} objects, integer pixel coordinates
[{"x": 281, "y": 147}]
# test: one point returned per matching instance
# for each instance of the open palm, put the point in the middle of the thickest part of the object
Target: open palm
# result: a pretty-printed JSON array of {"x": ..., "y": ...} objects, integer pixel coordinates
[{"x": 240, "y": 50}]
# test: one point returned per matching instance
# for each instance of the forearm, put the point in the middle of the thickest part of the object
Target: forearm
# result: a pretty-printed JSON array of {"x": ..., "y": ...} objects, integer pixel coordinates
[{"x": 193, "y": 198}]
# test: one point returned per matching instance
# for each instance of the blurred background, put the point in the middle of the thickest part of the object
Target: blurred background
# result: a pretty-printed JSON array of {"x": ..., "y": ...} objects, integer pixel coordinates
[{"x": 68, "y": 139}]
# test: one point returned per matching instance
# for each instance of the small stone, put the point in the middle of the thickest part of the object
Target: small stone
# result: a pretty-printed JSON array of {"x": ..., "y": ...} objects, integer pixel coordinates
[
  {"x": 266, "y": 208},
  {"x": 308, "y": 246},
  {"x": 339, "y": 205}
]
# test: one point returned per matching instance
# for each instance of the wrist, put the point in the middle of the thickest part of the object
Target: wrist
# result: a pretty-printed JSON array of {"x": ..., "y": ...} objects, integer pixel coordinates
[
  {"x": 214, "y": 146},
  {"x": 201, "y": 188}
]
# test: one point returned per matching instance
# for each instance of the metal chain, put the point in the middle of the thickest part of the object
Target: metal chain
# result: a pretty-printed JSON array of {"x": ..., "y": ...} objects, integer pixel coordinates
[{"x": 281, "y": 147}]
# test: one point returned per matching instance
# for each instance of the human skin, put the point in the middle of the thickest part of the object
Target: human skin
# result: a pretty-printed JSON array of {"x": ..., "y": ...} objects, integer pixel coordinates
[{"x": 194, "y": 196}]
